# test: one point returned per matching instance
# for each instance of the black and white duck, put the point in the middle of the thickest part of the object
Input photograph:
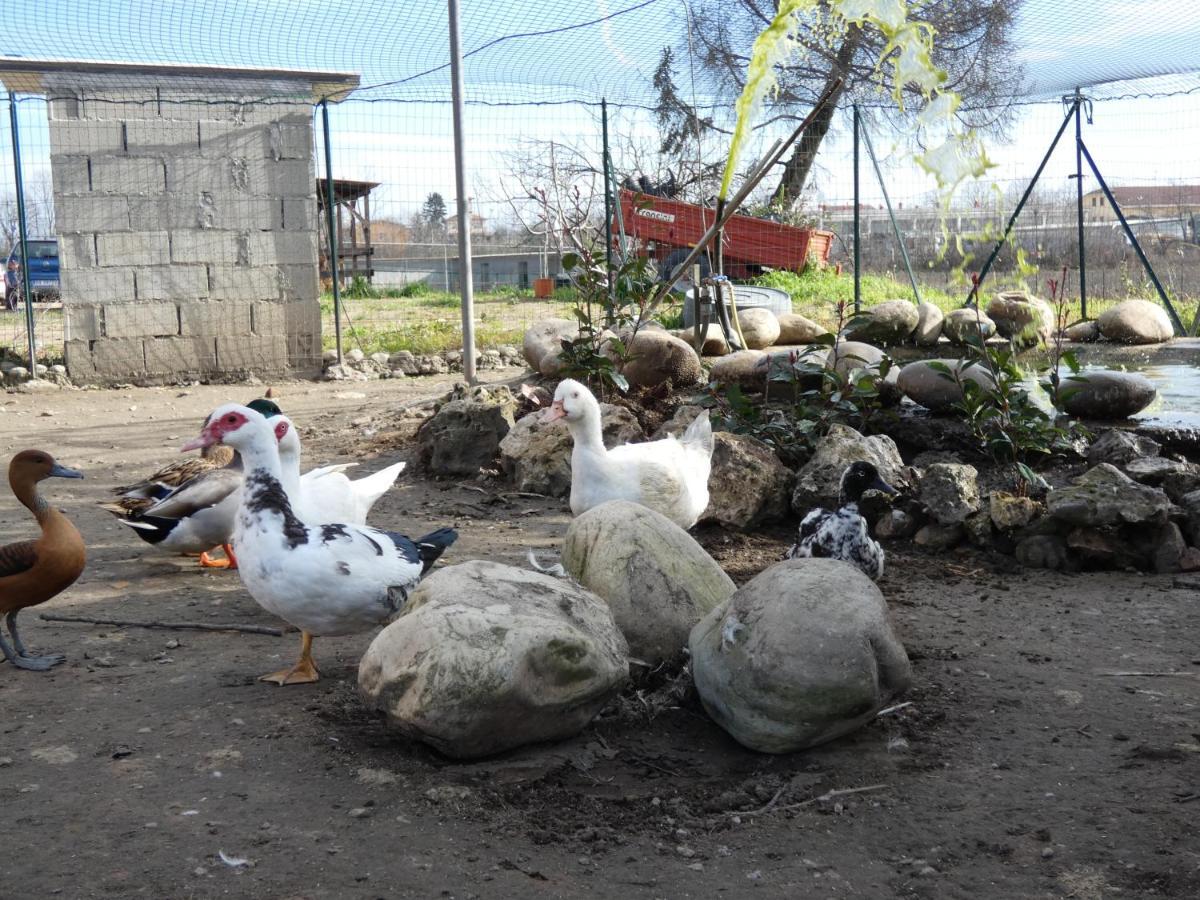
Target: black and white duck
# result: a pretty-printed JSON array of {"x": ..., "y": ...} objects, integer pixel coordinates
[{"x": 843, "y": 533}]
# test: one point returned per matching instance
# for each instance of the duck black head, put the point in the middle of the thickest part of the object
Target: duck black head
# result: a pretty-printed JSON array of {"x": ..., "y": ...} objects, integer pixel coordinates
[{"x": 859, "y": 478}]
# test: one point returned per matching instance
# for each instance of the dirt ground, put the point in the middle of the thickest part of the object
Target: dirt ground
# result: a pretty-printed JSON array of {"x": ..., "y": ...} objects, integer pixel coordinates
[{"x": 1023, "y": 768}]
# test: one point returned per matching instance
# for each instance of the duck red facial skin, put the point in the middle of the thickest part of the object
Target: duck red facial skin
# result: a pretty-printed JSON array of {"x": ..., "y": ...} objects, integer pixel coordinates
[
  {"x": 280, "y": 430},
  {"x": 215, "y": 431}
]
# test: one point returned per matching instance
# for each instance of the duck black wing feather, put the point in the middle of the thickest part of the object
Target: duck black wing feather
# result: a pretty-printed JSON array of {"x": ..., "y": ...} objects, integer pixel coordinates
[{"x": 17, "y": 558}]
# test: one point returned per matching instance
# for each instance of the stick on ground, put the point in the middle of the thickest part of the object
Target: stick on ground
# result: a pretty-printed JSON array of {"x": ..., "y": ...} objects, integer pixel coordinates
[{"x": 175, "y": 626}]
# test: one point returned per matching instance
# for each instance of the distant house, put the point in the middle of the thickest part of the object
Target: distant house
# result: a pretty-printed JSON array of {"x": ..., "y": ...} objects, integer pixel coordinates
[{"x": 1160, "y": 201}]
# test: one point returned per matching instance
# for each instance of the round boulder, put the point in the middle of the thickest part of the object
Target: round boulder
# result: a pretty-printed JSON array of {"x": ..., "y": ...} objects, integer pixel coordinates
[
  {"x": 1136, "y": 322},
  {"x": 1106, "y": 396},
  {"x": 802, "y": 654},
  {"x": 740, "y": 368},
  {"x": 759, "y": 327},
  {"x": 713, "y": 342},
  {"x": 1082, "y": 332},
  {"x": 544, "y": 339},
  {"x": 656, "y": 357},
  {"x": 536, "y": 454},
  {"x": 889, "y": 323},
  {"x": 1023, "y": 318},
  {"x": 796, "y": 329},
  {"x": 929, "y": 325},
  {"x": 963, "y": 325},
  {"x": 487, "y": 657},
  {"x": 926, "y": 384},
  {"x": 654, "y": 576}
]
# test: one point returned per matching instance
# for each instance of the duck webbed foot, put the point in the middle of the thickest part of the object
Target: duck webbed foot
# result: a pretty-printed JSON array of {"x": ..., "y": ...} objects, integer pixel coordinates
[
  {"x": 22, "y": 658},
  {"x": 303, "y": 672},
  {"x": 230, "y": 561}
]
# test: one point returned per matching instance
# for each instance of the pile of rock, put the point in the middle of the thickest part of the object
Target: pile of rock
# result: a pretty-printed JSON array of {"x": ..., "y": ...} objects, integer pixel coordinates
[{"x": 358, "y": 366}]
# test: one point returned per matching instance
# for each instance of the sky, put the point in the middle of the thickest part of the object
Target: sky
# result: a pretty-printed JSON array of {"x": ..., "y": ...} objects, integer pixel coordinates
[{"x": 521, "y": 51}]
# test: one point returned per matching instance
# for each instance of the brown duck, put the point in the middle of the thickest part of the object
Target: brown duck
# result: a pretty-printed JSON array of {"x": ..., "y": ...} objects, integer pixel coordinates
[{"x": 31, "y": 572}]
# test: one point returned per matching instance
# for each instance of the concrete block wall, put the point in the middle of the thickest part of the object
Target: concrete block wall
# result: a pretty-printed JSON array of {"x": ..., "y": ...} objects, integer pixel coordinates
[{"x": 187, "y": 222}]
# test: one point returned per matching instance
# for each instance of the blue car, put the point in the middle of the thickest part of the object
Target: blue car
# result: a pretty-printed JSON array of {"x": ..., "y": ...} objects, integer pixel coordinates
[{"x": 43, "y": 271}]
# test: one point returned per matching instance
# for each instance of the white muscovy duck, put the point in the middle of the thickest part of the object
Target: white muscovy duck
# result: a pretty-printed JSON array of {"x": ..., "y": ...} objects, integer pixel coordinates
[
  {"x": 843, "y": 533},
  {"x": 325, "y": 494},
  {"x": 669, "y": 476},
  {"x": 327, "y": 579}
]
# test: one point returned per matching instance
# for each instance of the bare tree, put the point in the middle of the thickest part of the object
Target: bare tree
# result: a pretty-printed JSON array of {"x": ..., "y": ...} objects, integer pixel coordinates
[{"x": 972, "y": 44}]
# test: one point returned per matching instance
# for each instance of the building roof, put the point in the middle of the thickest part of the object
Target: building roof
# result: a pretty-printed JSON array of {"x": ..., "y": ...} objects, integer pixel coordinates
[{"x": 1156, "y": 195}]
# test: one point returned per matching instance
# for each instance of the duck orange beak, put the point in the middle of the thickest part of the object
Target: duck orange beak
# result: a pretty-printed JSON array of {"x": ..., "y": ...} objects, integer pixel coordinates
[
  {"x": 204, "y": 440},
  {"x": 555, "y": 412}
]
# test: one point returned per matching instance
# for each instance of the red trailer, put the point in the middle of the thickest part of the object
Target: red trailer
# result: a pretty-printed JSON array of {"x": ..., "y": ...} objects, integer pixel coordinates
[{"x": 748, "y": 245}]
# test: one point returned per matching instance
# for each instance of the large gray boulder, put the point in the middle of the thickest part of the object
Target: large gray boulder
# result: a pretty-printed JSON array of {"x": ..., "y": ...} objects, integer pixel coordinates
[
  {"x": 950, "y": 491},
  {"x": 740, "y": 368},
  {"x": 487, "y": 657},
  {"x": 759, "y": 327},
  {"x": 748, "y": 486},
  {"x": 1082, "y": 332},
  {"x": 1023, "y": 318},
  {"x": 889, "y": 323},
  {"x": 654, "y": 576},
  {"x": 802, "y": 654},
  {"x": 929, "y": 324},
  {"x": 656, "y": 357},
  {"x": 924, "y": 382},
  {"x": 818, "y": 481},
  {"x": 1154, "y": 470},
  {"x": 464, "y": 435},
  {"x": 1120, "y": 447},
  {"x": 712, "y": 341},
  {"x": 536, "y": 454},
  {"x": 1105, "y": 497},
  {"x": 796, "y": 329},
  {"x": 848, "y": 357},
  {"x": 1136, "y": 322},
  {"x": 543, "y": 342},
  {"x": 1106, "y": 396},
  {"x": 961, "y": 325}
]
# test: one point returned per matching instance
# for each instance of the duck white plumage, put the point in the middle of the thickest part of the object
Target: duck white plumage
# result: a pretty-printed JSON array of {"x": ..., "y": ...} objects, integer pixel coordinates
[
  {"x": 669, "y": 476},
  {"x": 326, "y": 494},
  {"x": 843, "y": 533},
  {"x": 326, "y": 579}
]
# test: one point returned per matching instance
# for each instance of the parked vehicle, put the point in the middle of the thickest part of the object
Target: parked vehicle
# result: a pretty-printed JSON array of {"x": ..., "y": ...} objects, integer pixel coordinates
[{"x": 43, "y": 272}]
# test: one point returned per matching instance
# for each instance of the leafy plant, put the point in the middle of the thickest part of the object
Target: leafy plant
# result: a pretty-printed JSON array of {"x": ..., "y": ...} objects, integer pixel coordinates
[{"x": 1058, "y": 357}]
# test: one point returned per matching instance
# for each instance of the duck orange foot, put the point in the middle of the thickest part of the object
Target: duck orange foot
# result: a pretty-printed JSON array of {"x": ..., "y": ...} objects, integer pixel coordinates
[{"x": 230, "y": 561}]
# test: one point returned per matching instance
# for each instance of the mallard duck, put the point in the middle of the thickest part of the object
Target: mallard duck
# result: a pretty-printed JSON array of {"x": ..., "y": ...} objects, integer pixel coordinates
[
  {"x": 843, "y": 534},
  {"x": 192, "y": 510},
  {"x": 327, "y": 579},
  {"x": 32, "y": 572},
  {"x": 669, "y": 476},
  {"x": 326, "y": 494}
]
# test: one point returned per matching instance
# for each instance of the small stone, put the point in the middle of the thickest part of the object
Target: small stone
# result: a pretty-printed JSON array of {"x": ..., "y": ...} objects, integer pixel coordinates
[
  {"x": 360, "y": 812},
  {"x": 936, "y": 537},
  {"x": 5, "y": 761},
  {"x": 172, "y": 644},
  {"x": 1047, "y": 852},
  {"x": 685, "y": 851}
]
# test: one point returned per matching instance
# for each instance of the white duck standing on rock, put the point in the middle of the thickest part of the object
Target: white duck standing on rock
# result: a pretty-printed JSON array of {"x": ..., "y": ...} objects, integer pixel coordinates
[
  {"x": 669, "y": 476},
  {"x": 843, "y": 533},
  {"x": 327, "y": 579}
]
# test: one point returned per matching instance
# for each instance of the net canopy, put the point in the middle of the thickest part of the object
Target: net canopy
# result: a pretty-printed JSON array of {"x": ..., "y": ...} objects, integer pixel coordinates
[{"x": 528, "y": 51}]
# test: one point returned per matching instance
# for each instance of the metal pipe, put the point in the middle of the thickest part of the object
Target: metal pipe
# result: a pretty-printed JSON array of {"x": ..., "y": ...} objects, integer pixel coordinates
[
  {"x": 23, "y": 235},
  {"x": 608, "y": 236},
  {"x": 1079, "y": 203},
  {"x": 1016, "y": 212},
  {"x": 465, "y": 281},
  {"x": 866, "y": 137},
  {"x": 857, "y": 221},
  {"x": 331, "y": 229},
  {"x": 1112, "y": 201}
]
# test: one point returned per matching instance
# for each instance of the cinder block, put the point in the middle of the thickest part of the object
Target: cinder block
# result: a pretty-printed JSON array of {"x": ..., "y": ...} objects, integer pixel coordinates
[
  {"x": 162, "y": 136},
  {"x": 128, "y": 175},
  {"x": 242, "y": 282},
  {"x": 70, "y": 175},
  {"x": 181, "y": 355},
  {"x": 220, "y": 139},
  {"x": 287, "y": 141},
  {"x": 290, "y": 178},
  {"x": 204, "y": 246},
  {"x": 97, "y": 286},
  {"x": 282, "y": 247},
  {"x": 64, "y": 106},
  {"x": 298, "y": 282},
  {"x": 72, "y": 137},
  {"x": 120, "y": 105},
  {"x": 127, "y": 320},
  {"x": 81, "y": 322},
  {"x": 257, "y": 353},
  {"x": 299, "y": 214},
  {"x": 268, "y": 317},
  {"x": 195, "y": 173},
  {"x": 303, "y": 326},
  {"x": 133, "y": 248},
  {"x": 212, "y": 317},
  {"x": 118, "y": 357},
  {"x": 150, "y": 212},
  {"x": 92, "y": 213},
  {"x": 80, "y": 366},
  {"x": 176, "y": 282},
  {"x": 76, "y": 251}
]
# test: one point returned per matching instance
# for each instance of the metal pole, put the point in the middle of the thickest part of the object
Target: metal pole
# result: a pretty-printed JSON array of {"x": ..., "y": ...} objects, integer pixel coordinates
[
  {"x": 857, "y": 222},
  {"x": 1012, "y": 219},
  {"x": 866, "y": 137},
  {"x": 464, "y": 213},
  {"x": 22, "y": 233},
  {"x": 331, "y": 228},
  {"x": 608, "y": 235},
  {"x": 1112, "y": 201},
  {"x": 1079, "y": 203}
]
